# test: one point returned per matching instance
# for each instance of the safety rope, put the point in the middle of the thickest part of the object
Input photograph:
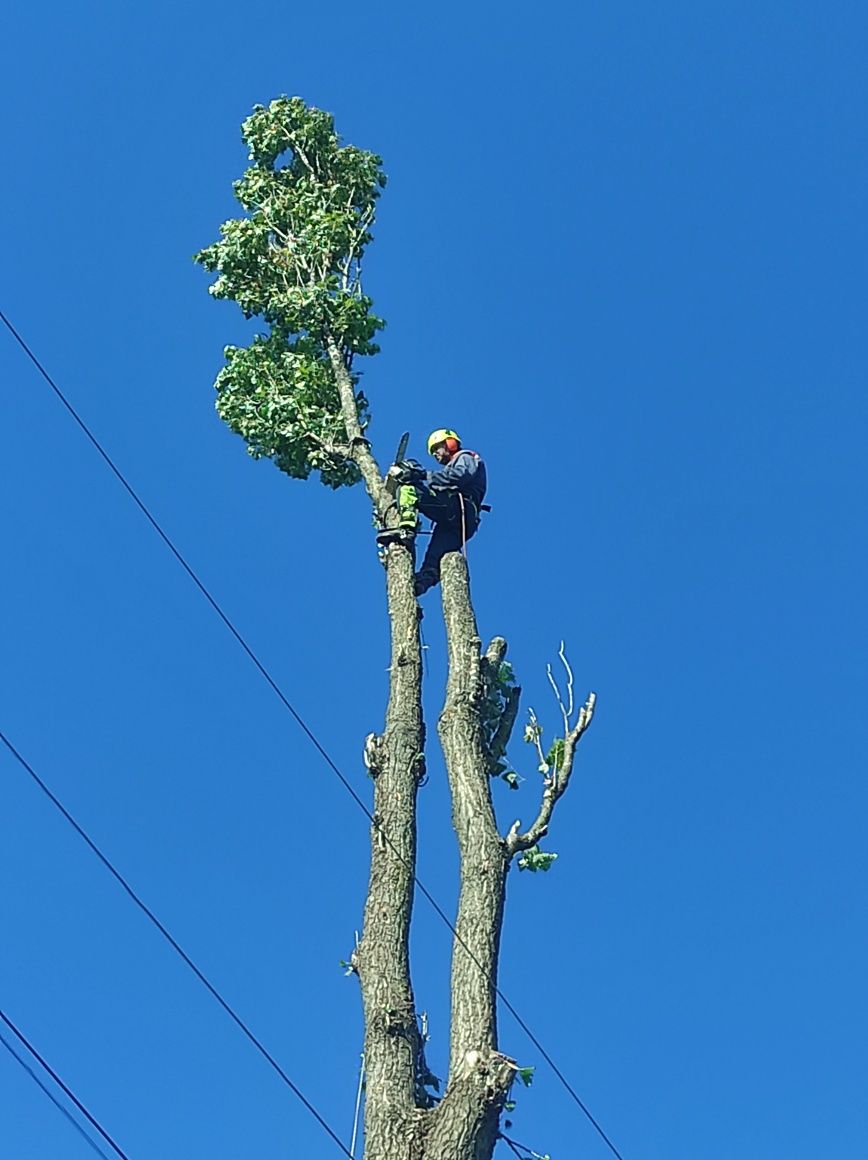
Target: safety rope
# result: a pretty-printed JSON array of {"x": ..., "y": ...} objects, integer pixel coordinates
[{"x": 358, "y": 1107}]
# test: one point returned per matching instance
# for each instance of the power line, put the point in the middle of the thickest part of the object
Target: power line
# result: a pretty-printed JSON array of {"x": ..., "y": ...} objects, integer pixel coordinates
[
  {"x": 174, "y": 944},
  {"x": 299, "y": 720},
  {"x": 140, "y": 504},
  {"x": 47, "y": 1067},
  {"x": 521, "y": 1150},
  {"x": 47, "y": 1090}
]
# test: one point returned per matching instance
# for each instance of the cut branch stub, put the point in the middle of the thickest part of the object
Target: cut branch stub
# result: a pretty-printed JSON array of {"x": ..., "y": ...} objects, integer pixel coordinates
[
  {"x": 507, "y": 724},
  {"x": 501, "y": 699}
]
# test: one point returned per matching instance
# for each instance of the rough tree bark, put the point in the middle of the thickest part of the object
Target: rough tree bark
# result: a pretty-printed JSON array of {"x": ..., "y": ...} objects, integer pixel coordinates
[
  {"x": 295, "y": 261},
  {"x": 393, "y": 1045},
  {"x": 466, "y": 1122},
  {"x": 396, "y": 763},
  {"x": 400, "y": 1122}
]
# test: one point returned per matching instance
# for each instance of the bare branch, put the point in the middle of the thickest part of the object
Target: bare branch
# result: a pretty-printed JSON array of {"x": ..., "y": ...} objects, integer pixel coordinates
[
  {"x": 566, "y": 665},
  {"x": 555, "y": 785},
  {"x": 558, "y": 698}
]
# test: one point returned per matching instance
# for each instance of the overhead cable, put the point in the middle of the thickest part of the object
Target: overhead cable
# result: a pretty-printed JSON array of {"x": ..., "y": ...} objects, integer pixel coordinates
[
  {"x": 236, "y": 1018},
  {"x": 299, "y": 720},
  {"x": 64, "y": 1111},
  {"x": 47, "y": 1067}
]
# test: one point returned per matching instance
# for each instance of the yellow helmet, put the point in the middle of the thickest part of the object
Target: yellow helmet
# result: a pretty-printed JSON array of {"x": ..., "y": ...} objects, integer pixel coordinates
[{"x": 443, "y": 435}]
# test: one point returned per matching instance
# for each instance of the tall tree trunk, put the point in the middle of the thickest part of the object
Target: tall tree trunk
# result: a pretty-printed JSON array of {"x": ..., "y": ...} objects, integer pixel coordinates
[
  {"x": 396, "y": 762},
  {"x": 466, "y": 1123},
  {"x": 393, "y": 1045},
  {"x": 399, "y": 1122}
]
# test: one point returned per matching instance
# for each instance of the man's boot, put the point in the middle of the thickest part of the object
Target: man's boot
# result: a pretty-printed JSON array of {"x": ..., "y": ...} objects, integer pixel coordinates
[{"x": 408, "y": 518}]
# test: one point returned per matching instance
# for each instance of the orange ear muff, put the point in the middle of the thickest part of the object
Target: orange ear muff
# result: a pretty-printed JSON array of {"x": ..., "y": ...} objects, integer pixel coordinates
[{"x": 452, "y": 445}]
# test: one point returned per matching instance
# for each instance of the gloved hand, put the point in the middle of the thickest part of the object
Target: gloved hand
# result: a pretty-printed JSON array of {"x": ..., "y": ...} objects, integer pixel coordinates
[
  {"x": 413, "y": 470},
  {"x": 407, "y": 471}
]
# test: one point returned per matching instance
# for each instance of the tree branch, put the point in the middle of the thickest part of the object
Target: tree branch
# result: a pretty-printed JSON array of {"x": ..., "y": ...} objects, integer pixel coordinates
[
  {"x": 361, "y": 449},
  {"x": 500, "y": 741},
  {"x": 495, "y": 652},
  {"x": 556, "y": 785},
  {"x": 300, "y": 153},
  {"x": 491, "y": 661}
]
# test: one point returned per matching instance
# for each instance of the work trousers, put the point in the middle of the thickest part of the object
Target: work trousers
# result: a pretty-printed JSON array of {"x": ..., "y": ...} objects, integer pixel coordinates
[{"x": 449, "y": 533}]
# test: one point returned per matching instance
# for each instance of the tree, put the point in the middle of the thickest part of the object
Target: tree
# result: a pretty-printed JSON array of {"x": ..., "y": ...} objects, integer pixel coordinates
[{"x": 295, "y": 261}]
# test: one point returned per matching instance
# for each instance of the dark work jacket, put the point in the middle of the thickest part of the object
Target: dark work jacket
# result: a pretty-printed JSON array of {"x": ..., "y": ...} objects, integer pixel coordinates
[{"x": 464, "y": 473}]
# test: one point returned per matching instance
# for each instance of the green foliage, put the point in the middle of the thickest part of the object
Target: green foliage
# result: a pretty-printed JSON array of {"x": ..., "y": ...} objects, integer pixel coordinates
[
  {"x": 550, "y": 763},
  {"x": 536, "y": 859},
  {"x": 295, "y": 262},
  {"x": 525, "y": 1074},
  {"x": 555, "y": 755},
  {"x": 282, "y": 399},
  {"x": 499, "y": 684}
]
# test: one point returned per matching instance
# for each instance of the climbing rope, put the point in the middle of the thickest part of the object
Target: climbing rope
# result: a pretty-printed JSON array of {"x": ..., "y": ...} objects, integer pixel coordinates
[{"x": 358, "y": 1107}]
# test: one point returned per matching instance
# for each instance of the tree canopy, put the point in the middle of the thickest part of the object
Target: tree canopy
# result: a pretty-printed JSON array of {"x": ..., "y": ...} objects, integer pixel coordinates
[{"x": 295, "y": 261}]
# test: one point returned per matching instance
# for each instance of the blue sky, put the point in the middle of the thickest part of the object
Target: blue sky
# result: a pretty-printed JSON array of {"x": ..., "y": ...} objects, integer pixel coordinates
[{"x": 622, "y": 251}]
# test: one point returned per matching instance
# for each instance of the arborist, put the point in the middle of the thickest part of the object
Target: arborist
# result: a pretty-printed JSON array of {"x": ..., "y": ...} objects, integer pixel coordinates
[{"x": 450, "y": 497}]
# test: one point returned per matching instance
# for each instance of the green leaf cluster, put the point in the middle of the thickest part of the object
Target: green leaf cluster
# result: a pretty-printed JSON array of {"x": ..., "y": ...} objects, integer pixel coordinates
[
  {"x": 295, "y": 262},
  {"x": 553, "y": 761},
  {"x": 280, "y": 398},
  {"x": 555, "y": 755},
  {"x": 535, "y": 859}
]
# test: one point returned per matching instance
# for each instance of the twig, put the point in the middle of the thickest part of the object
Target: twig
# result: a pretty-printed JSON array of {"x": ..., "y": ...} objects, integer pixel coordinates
[
  {"x": 566, "y": 665},
  {"x": 536, "y": 729},
  {"x": 556, "y": 787}
]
